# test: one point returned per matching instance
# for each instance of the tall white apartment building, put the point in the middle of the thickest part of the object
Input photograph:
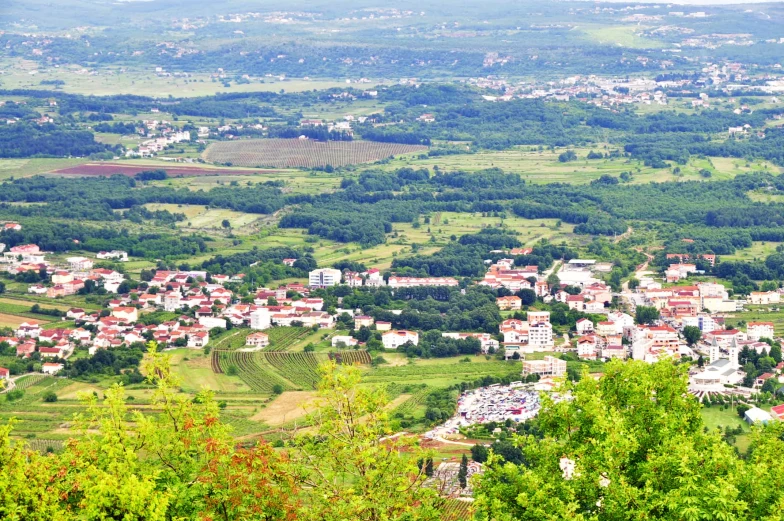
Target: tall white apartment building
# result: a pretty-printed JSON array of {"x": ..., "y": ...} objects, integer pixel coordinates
[{"x": 324, "y": 278}]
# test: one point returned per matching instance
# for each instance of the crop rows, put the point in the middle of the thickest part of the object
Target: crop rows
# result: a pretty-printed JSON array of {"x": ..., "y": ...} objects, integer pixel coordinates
[
  {"x": 281, "y": 338},
  {"x": 351, "y": 357},
  {"x": 456, "y": 510},
  {"x": 250, "y": 371},
  {"x": 303, "y": 152},
  {"x": 29, "y": 381},
  {"x": 409, "y": 405},
  {"x": 299, "y": 368},
  {"x": 44, "y": 446},
  {"x": 215, "y": 362}
]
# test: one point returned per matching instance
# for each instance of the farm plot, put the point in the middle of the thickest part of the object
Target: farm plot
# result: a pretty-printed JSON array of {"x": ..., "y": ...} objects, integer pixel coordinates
[
  {"x": 351, "y": 357},
  {"x": 109, "y": 169},
  {"x": 300, "y": 368},
  {"x": 282, "y": 338},
  {"x": 250, "y": 368},
  {"x": 456, "y": 510},
  {"x": 14, "y": 321},
  {"x": 303, "y": 152}
]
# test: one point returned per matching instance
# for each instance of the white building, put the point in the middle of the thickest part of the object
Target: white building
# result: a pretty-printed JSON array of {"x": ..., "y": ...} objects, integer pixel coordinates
[
  {"x": 257, "y": 340},
  {"x": 260, "y": 319},
  {"x": 50, "y": 368},
  {"x": 550, "y": 366},
  {"x": 395, "y": 339},
  {"x": 172, "y": 301},
  {"x": 324, "y": 278},
  {"x": 757, "y": 330},
  {"x": 79, "y": 263},
  {"x": 212, "y": 322},
  {"x": 540, "y": 336},
  {"x": 344, "y": 341}
]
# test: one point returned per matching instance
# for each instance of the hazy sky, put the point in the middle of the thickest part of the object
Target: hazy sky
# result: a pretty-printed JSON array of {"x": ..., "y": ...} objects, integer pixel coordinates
[{"x": 696, "y": 2}]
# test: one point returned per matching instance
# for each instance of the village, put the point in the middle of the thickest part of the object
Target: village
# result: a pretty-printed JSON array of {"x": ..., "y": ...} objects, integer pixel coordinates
[{"x": 610, "y": 327}]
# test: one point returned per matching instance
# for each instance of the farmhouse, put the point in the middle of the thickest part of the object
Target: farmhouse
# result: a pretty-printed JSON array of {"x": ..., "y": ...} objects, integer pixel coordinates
[
  {"x": 257, "y": 340},
  {"x": 343, "y": 341},
  {"x": 5, "y": 374},
  {"x": 51, "y": 368}
]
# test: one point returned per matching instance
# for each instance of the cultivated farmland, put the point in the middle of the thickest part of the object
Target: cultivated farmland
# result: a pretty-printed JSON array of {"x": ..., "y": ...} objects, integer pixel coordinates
[
  {"x": 302, "y": 152},
  {"x": 109, "y": 169}
]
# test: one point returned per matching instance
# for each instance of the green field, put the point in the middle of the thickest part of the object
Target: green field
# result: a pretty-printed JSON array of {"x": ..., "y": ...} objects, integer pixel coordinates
[
  {"x": 111, "y": 80},
  {"x": 543, "y": 166},
  {"x": 29, "y": 167},
  {"x": 622, "y": 36}
]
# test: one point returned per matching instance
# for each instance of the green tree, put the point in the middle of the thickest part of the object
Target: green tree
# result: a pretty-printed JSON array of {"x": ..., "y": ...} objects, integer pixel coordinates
[
  {"x": 631, "y": 446},
  {"x": 775, "y": 352},
  {"x": 692, "y": 334},
  {"x": 646, "y": 314},
  {"x": 462, "y": 474},
  {"x": 352, "y": 465}
]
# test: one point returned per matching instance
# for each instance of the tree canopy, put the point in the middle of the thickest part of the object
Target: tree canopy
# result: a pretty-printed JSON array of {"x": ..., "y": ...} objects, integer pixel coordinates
[{"x": 633, "y": 446}]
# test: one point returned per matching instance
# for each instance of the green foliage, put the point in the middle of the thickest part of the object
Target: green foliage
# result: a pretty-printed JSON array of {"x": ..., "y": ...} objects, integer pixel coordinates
[
  {"x": 646, "y": 314},
  {"x": 692, "y": 334},
  {"x": 631, "y": 445}
]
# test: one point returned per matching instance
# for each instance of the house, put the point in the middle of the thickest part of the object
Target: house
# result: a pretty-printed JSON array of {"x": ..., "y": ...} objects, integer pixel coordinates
[
  {"x": 198, "y": 339},
  {"x": 324, "y": 278},
  {"x": 27, "y": 330},
  {"x": 289, "y": 262},
  {"x": 51, "y": 368},
  {"x": 576, "y": 302},
  {"x": 761, "y": 379},
  {"x": 25, "y": 349},
  {"x": 777, "y": 412},
  {"x": 764, "y": 297},
  {"x": 383, "y": 326},
  {"x": 212, "y": 322},
  {"x": 363, "y": 321},
  {"x": 15, "y": 227},
  {"x": 343, "y": 341},
  {"x": 757, "y": 330},
  {"x": 113, "y": 255},
  {"x": 583, "y": 326},
  {"x": 79, "y": 263},
  {"x": 395, "y": 339},
  {"x": 51, "y": 352},
  {"x": 608, "y": 328},
  {"x": 126, "y": 314},
  {"x": 611, "y": 351},
  {"x": 257, "y": 340},
  {"x": 549, "y": 366},
  {"x": 587, "y": 347},
  {"x": 510, "y": 303},
  {"x": 5, "y": 374},
  {"x": 75, "y": 313}
]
